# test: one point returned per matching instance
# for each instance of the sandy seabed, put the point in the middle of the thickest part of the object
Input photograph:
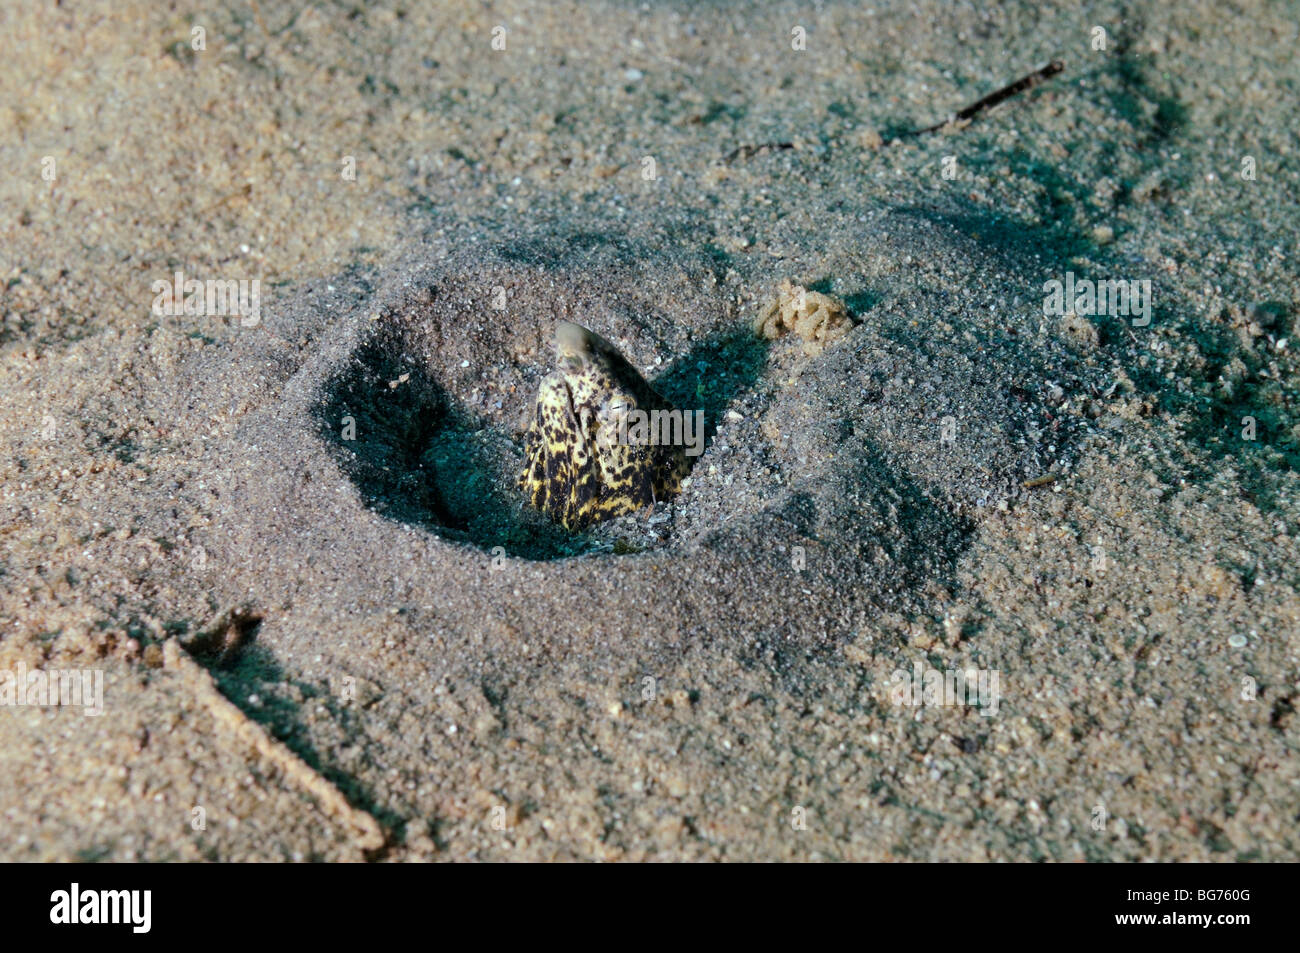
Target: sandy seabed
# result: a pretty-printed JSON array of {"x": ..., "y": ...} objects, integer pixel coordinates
[{"x": 326, "y": 628}]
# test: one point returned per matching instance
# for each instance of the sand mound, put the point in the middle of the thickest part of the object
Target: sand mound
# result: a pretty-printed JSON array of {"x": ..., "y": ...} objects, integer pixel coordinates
[{"x": 382, "y": 447}]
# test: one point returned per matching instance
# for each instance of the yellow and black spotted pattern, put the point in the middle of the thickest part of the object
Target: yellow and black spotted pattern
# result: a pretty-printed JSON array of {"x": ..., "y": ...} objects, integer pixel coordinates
[{"x": 580, "y": 467}]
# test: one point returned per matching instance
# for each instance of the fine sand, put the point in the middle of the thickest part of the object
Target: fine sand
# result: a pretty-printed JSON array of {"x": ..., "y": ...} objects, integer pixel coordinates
[{"x": 291, "y": 541}]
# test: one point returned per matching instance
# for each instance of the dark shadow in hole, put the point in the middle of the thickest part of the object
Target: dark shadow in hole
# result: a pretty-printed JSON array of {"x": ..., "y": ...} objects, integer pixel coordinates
[
  {"x": 418, "y": 458},
  {"x": 714, "y": 374}
]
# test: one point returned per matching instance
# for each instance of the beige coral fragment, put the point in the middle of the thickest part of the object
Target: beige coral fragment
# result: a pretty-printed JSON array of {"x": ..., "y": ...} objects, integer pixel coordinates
[{"x": 819, "y": 319}]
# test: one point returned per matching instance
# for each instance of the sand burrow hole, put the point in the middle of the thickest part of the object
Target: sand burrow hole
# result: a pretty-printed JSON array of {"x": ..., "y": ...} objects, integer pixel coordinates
[{"x": 428, "y": 414}]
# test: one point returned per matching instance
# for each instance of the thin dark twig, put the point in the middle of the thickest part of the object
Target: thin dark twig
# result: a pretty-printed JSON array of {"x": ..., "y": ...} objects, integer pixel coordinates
[
  {"x": 992, "y": 99},
  {"x": 974, "y": 109}
]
